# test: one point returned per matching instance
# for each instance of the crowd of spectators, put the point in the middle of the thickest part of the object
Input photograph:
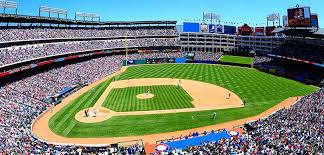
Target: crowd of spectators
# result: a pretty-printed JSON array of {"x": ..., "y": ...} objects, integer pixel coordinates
[
  {"x": 15, "y": 34},
  {"x": 261, "y": 59},
  {"x": 295, "y": 130},
  {"x": 132, "y": 150},
  {"x": 303, "y": 72},
  {"x": 16, "y": 54},
  {"x": 303, "y": 49},
  {"x": 22, "y": 101},
  {"x": 208, "y": 56}
]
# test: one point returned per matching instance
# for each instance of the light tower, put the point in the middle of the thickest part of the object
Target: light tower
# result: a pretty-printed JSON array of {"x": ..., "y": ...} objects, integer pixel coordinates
[
  {"x": 85, "y": 15},
  {"x": 273, "y": 18},
  {"x": 9, "y": 5},
  {"x": 50, "y": 10}
]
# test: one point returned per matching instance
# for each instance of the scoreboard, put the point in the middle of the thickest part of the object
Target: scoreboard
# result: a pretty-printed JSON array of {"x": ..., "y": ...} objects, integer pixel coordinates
[{"x": 299, "y": 17}]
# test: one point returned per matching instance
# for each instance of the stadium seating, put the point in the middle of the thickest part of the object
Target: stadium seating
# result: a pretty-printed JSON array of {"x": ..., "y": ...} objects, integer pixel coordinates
[
  {"x": 14, "y": 34},
  {"x": 15, "y": 54},
  {"x": 31, "y": 92},
  {"x": 308, "y": 50},
  {"x": 25, "y": 98},
  {"x": 300, "y": 71},
  {"x": 296, "y": 130}
]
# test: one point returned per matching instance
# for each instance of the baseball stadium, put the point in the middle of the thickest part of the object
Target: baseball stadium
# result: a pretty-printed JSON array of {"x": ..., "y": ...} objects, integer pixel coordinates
[{"x": 74, "y": 82}]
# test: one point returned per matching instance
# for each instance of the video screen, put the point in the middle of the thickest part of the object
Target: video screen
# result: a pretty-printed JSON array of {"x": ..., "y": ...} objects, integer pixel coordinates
[
  {"x": 299, "y": 17},
  {"x": 203, "y": 27}
]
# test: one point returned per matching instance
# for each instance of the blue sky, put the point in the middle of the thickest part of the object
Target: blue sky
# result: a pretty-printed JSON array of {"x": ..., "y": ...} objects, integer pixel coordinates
[{"x": 238, "y": 11}]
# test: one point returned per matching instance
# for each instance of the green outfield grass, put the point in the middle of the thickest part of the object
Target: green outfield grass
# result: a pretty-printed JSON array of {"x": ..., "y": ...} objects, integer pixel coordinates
[
  {"x": 165, "y": 97},
  {"x": 237, "y": 59},
  {"x": 260, "y": 90}
]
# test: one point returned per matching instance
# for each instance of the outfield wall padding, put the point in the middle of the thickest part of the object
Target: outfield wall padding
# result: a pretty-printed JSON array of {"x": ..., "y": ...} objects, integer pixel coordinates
[
  {"x": 129, "y": 62},
  {"x": 233, "y": 64},
  {"x": 205, "y": 61},
  {"x": 180, "y": 60},
  {"x": 143, "y": 61}
]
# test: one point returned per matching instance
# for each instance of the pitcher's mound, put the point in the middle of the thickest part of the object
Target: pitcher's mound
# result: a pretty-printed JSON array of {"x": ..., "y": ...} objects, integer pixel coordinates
[
  {"x": 94, "y": 115},
  {"x": 145, "y": 96}
]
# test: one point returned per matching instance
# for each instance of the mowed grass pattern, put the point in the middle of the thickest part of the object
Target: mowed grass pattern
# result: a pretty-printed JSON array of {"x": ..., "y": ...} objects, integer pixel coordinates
[
  {"x": 64, "y": 120},
  {"x": 165, "y": 97},
  {"x": 237, "y": 59},
  {"x": 260, "y": 90}
]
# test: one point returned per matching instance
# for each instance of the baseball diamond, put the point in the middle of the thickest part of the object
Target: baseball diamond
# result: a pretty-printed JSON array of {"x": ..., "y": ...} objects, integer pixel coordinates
[
  {"x": 165, "y": 97},
  {"x": 204, "y": 83},
  {"x": 260, "y": 91}
]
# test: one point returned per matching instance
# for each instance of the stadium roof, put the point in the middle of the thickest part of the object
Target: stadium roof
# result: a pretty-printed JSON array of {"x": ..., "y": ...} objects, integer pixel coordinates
[
  {"x": 12, "y": 18},
  {"x": 278, "y": 30},
  {"x": 301, "y": 32}
]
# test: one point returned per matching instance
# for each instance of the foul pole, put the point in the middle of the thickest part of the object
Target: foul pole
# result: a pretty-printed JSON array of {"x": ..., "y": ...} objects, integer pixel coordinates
[{"x": 126, "y": 49}]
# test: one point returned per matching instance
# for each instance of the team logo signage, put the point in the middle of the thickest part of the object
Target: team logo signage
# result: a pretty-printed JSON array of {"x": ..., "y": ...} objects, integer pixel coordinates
[{"x": 161, "y": 147}]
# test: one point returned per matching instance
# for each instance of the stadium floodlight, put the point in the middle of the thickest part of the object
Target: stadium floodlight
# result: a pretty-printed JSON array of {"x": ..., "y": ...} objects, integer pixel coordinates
[
  {"x": 211, "y": 16},
  {"x": 85, "y": 15},
  {"x": 8, "y": 5},
  {"x": 273, "y": 17},
  {"x": 50, "y": 10}
]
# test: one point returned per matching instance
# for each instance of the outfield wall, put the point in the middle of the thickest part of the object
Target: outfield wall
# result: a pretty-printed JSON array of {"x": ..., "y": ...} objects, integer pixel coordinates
[
  {"x": 234, "y": 64},
  {"x": 301, "y": 77},
  {"x": 164, "y": 60},
  {"x": 179, "y": 60}
]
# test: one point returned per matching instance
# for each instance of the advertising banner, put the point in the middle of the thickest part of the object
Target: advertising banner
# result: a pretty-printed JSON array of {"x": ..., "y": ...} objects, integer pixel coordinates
[
  {"x": 191, "y": 27},
  {"x": 33, "y": 65},
  {"x": 205, "y": 61},
  {"x": 259, "y": 31},
  {"x": 71, "y": 57},
  {"x": 245, "y": 30},
  {"x": 140, "y": 61},
  {"x": 132, "y": 62},
  {"x": 59, "y": 59},
  {"x": 124, "y": 63},
  {"x": 220, "y": 28},
  {"x": 212, "y": 28},
  {"x": 285, "y": 21},
  {"x": 129, "y": 62},
  {"x": 314, "y": 20},
  {"x": 180, "y": 60},
  {"x": 229, "y": 29},
  {"x": 101, "y": 52},
  {"x": 160, "y": 60},
  {"x": 4, "y": 74},
  {"x": 107, "y": 51},
  {"x": 45, "y": 62}
]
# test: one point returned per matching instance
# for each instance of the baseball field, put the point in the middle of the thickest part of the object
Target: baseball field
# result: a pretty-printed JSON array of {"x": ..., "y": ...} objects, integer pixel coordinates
[
  {"x": 124, "y": 99},
  {"x": 260, "y": 91},
  {"x": 236, "y": 59}
]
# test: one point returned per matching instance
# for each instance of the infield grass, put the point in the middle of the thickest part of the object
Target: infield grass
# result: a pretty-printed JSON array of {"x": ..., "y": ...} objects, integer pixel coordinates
[
  {"x": 165, "y": 97},
  {"x": 260, "y": 90},
  {"x": 237, "y": 59}
]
